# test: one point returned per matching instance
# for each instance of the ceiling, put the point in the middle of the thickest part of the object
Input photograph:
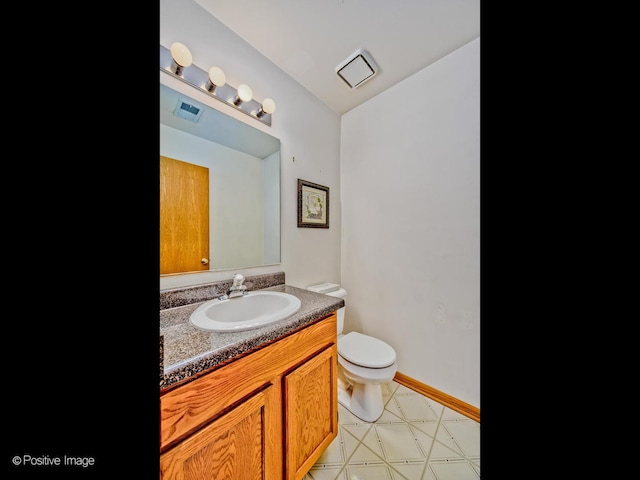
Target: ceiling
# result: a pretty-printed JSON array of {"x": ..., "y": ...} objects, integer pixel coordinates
[{"x": 308, "y": 39}]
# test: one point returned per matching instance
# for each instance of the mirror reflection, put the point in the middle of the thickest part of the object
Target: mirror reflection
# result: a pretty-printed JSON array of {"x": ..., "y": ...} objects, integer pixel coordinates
[{"x": 219, "y": 189}]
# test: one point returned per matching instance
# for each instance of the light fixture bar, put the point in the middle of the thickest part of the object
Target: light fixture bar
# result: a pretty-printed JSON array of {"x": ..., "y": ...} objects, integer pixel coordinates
[{"x": 198, "y": 78}]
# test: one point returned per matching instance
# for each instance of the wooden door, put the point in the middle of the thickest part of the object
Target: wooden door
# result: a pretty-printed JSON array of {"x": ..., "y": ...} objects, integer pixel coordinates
[
  {"x": 311, "y": 412},
  {"x": 236, "y": 446},
  {"x": 184, "y": 216}
]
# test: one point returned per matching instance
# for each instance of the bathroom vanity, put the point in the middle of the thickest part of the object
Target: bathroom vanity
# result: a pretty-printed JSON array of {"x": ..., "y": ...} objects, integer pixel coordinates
[{"x": 255, "y": 404}]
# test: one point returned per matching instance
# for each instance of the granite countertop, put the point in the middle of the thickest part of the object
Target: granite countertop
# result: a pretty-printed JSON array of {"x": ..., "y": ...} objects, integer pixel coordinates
[{"x": 187, "y": 351}]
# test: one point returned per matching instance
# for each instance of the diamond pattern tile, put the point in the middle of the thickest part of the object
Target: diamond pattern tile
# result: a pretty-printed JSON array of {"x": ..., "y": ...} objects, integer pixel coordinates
[
  {"x": 466, "y": 435},
  {"x": 415, "y": 408},
  {"x": 416, "y": 438},
  {"x": 398, "y": 442},
  {"x": 453, "y": 471}
]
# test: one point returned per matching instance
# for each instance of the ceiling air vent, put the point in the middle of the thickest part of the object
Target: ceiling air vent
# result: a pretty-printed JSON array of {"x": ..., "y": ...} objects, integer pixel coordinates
[
  {"x": 357, "y": 69},
  {"x": 187, "y": 111}
]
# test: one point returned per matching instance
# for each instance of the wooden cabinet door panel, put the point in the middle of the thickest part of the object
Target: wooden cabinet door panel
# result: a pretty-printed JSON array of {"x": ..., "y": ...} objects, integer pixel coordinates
[
  {"x": 233, "y": 447},
  {"x": 311, "y": 412}
]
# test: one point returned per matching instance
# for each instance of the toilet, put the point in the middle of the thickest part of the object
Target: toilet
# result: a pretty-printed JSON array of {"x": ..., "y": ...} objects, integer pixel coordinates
[{"x": 364, "y": 364}]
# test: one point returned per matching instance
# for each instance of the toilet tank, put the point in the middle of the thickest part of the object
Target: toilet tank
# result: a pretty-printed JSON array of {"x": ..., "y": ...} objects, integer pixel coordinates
[{"x": 333, "y": 290}]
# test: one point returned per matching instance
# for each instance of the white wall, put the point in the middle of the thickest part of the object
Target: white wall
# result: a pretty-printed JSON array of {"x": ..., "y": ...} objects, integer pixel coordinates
[
  {"x": 410, "y": 180},
  {"x": 271, "y": 176},
  {"x": 307, "y": 128}
]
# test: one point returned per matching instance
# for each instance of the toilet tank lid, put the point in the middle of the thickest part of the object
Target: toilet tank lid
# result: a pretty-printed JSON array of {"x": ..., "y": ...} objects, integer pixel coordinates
[{"x": 324, "y": 287}]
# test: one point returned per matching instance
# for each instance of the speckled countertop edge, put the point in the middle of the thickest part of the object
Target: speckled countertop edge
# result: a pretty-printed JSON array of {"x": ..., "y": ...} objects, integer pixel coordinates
[
  {"x": 187, "y": 350},
  {"x": 178, "y": 297}
]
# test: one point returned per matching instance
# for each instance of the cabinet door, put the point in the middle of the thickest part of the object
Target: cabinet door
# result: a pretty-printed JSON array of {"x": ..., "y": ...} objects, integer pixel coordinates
[
  {"x": 235, "y": 446},
  {"x": 311, "y": 412}
]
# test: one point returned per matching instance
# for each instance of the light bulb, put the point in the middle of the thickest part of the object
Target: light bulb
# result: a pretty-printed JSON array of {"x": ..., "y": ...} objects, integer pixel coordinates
[
  {"x": 181, "y": 57},
  {"x": 217, "y": 78},
  {"x": 269, "y": 106},
  {"x": 244, "y": 93}
]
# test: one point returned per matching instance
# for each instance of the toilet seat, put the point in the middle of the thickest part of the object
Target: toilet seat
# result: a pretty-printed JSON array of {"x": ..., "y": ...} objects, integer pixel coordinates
[
  {"x": 365, "y": 374},
  {"x": 365, "y": 351}
]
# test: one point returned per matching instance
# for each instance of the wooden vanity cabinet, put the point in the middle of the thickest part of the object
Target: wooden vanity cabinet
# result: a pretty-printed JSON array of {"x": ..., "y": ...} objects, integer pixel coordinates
[{"x": 267, "y": 415}]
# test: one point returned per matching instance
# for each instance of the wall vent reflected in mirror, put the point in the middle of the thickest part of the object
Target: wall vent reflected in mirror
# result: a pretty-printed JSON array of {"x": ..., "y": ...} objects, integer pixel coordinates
[
  {"x": 243, "y": 188},
  {"x": 187, "y": 111}
]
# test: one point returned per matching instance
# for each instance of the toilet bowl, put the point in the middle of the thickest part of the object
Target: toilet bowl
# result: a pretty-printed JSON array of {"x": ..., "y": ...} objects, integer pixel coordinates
[{"x": 365, "y": 363}]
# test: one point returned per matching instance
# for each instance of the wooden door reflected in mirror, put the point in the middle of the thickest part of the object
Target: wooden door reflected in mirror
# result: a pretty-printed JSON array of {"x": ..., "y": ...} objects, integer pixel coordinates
[{"x": 184, "y": 217}]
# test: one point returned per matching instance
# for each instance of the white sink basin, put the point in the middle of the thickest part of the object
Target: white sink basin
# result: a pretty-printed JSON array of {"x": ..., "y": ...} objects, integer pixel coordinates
[{"x": 253, "y": 310}]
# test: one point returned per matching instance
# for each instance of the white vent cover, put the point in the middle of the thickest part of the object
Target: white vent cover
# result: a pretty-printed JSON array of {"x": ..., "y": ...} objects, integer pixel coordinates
[
  {"x": 357, "y": 69},
  {"x": 187, "y": 111}
]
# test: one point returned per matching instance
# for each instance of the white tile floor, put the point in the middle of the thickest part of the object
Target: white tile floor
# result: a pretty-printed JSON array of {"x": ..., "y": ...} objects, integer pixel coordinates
[{"x": 416, "y": 438}]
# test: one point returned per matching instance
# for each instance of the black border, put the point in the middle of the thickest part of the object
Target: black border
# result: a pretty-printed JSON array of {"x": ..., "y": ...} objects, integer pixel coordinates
[{"x": 80, "y": 357}]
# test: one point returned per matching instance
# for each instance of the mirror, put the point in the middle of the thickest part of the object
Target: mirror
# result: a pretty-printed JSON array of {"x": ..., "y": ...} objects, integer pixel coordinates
[{"x": 243, "y": 186}]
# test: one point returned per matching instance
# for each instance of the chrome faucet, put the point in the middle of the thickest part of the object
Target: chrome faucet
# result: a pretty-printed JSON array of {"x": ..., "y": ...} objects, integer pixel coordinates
[{"x": 237, "y": 289}]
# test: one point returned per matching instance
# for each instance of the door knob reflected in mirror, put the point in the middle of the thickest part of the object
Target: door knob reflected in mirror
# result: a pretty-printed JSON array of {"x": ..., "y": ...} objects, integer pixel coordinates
[{"x": 204, "y": 261}]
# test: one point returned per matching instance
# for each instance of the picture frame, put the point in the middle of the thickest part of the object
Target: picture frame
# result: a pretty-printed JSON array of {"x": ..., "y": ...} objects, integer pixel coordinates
[{"x": 313, "y": 205}]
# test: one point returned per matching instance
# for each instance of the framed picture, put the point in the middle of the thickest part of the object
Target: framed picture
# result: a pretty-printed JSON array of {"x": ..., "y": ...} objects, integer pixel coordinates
[{"x": 313, "y": 205}]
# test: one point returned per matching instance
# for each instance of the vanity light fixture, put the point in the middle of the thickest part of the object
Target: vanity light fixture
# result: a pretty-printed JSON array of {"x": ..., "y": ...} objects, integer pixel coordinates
[
  {"x": 213, "y": 82},
  {"x": 268, "y": 106},
  {"x": 181, "y": 57},
  {"x": 217, "y": 78},
  {"x": 245, "y": 94}
]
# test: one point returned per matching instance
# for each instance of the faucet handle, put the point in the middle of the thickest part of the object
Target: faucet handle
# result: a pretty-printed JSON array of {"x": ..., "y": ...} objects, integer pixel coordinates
[{"x": 237, "y": 280}]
